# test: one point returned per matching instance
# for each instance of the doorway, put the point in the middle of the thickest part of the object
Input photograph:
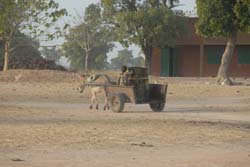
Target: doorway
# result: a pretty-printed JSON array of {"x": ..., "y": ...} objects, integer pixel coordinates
[{"x": 168, "y": 62}]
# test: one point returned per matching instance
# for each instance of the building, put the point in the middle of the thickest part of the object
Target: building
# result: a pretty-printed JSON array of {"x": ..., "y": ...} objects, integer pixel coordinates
[{"x": 195, "y": 56}]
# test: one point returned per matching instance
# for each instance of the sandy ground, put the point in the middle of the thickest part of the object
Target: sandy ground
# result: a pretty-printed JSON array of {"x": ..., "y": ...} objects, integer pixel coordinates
[{"x": 46, "y": 122}]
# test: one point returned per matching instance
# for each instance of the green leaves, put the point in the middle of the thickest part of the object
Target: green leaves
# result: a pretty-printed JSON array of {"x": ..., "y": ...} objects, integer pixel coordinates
[
  {"x": 222, "y": 18},
  {"x": 89, "y": 38},
  {"x": 242, "y": 11},
  {"x": 125, "y": 57},
  {"x": 146, "y": 23},
  {"x": 36, "y": 15}
]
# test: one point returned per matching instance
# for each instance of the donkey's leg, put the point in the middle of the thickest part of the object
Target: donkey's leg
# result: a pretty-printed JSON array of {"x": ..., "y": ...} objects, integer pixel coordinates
[
  {"x": 108, "y": 100},
  {"x": 95, "y": 97},
  {"x": 92, "y": 101},
  {"x": 106, "y": 104}
]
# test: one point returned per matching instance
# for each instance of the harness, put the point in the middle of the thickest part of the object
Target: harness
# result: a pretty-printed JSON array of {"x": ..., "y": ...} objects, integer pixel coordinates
[{"x": 92, "y": 78}]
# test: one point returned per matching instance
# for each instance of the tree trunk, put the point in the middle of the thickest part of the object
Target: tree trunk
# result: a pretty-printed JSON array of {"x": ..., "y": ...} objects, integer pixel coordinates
[
  {"x": 6, "y": 55},
  {"x": 147, "y": 53},
  {"x": 222, "y": 76},
  {"x": 87, "y": 61}
]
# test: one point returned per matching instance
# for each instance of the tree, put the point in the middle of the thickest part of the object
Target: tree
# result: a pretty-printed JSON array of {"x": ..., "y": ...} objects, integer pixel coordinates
[
  {"x": 29, "y": 49},
  {"x": 100, "y": 59},
  {"x": 220, "y": 18},
  {"x": 147, "y": 23},
  {"x": 90, "y": 37},
  {"x": 34, "y": 17},
  {"x": 138, "y": 61},
  {"x": 52, "y": 53},
  {"x": 125, "y": 57},
  {"x": 28, "y": 56},
  {"x": 24, "y": 46},
  {"x": 74, "y": 54}
]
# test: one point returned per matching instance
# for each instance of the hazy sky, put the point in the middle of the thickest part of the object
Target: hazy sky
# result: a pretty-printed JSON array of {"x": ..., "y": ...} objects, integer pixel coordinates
[{"x": 72, "y": 5}]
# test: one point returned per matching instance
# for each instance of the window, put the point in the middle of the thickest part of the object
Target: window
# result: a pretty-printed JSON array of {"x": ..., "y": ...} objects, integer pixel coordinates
[
  {"x": 243, "y": 54},
  {"x": 214, "y": 54}
]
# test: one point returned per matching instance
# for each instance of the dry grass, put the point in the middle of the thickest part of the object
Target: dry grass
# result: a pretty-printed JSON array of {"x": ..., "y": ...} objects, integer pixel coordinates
[
  {"x": 46, "y": 75},
  {"x": 57, "y": 84}
]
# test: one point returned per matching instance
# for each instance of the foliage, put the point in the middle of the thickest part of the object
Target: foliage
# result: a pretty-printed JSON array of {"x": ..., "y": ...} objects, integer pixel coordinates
[
  {"x": 147, "y": 23},
  {"x": 99, "y": 56},
  {"x": 1, "y": 51},
  {"x": 52, "y": 53},
  {"x": 74, "y": 54},
  {"x": 222, "y": 18},
  {"x": 34, "y": 17},
  {"x": 125, "y": 57},
  {"x": 225, "y": 19},
  {"x": 23, "y": 46},
  {"x": 89, "y": 41},
  {"x": 138, "y": 61},
  {"x": 242, "y": 10}
]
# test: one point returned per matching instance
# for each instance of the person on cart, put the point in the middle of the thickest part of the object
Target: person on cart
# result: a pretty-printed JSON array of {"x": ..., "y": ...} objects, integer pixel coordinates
[
  {"x": 123, "y": 78},
  {"x": 126, "y": 76}
]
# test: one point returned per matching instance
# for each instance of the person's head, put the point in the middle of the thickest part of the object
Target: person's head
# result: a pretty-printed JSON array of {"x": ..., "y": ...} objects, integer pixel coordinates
[{"x": 124, "y": 69}]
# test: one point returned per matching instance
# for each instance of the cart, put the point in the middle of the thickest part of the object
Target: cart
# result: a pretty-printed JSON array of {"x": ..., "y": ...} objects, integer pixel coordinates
[{"x": 137, "y": 91}]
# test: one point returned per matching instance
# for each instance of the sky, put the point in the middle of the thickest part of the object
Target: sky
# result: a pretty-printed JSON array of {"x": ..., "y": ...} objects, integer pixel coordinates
[{"x": 74, "y": 6}]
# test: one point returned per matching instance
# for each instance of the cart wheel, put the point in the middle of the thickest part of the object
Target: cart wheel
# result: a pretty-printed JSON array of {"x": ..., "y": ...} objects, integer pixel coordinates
[
  {"x": 157, "y": 107},
  {"x": 117, "y": 103}
]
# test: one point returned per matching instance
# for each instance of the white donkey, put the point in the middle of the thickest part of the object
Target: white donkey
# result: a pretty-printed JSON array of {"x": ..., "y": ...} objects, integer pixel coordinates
[{"x": 95, "y": 90}]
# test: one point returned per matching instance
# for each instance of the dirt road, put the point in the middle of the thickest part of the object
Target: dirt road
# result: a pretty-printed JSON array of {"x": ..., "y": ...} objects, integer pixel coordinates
[{"x": 49, "y": 124}]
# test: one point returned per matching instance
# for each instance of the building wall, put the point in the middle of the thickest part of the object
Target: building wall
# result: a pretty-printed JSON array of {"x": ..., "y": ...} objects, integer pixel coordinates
[
  {"x": 188, "y": 61},
  {"x": 211, "y": 69},
  {"x": 236, "y": 69},
  {"x": 187, "y": 58},
  {"x": 156, "y": 62}
]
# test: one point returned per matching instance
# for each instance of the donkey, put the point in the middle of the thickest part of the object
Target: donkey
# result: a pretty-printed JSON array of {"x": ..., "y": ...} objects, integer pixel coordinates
[{"x": 95, "y": 90}]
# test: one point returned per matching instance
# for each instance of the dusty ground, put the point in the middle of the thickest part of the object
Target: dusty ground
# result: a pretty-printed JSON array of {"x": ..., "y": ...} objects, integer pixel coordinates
[{"x": 44, "y": 121}]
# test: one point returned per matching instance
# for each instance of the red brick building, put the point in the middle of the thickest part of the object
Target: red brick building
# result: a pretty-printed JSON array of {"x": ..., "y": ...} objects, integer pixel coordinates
[{"x": 195, "y": 56}]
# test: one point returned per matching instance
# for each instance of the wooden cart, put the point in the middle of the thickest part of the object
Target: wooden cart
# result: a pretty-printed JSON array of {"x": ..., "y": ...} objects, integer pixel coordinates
[
  {"x": 154, "y": 95},
  {"x": 137, "y": 91}
]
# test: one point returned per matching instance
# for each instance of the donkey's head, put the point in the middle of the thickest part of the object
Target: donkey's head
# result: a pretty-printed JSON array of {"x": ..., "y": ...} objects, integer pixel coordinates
[{"x": 82, "y": 79}]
